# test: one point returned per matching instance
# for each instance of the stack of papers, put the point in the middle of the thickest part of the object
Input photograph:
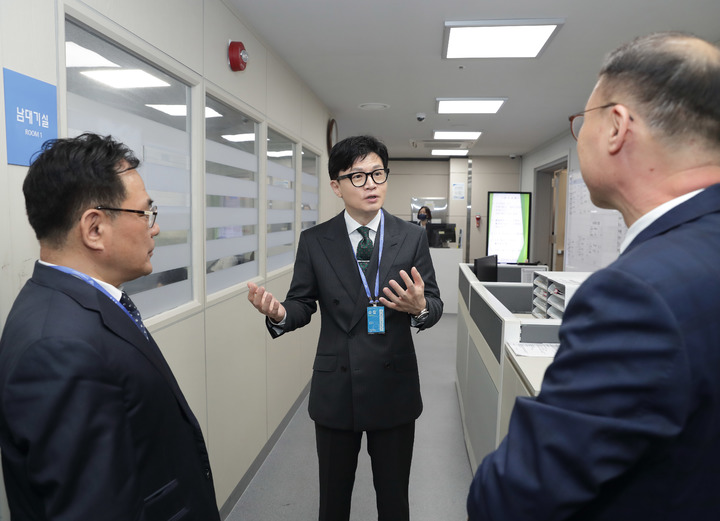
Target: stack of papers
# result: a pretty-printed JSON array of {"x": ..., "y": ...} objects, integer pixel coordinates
[{"x": 529, "y": 349}]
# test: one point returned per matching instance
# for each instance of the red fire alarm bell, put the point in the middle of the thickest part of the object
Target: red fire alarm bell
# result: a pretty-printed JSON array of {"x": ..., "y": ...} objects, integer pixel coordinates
[{"x": 237, "y": 56}]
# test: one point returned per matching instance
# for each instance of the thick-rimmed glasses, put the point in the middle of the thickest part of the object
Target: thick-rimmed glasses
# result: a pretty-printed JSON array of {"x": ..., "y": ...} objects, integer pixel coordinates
[
  {"x": 359, "y": 179},
  {"x": 576, "y": 120},
  {"x": 151, "y": 214}
]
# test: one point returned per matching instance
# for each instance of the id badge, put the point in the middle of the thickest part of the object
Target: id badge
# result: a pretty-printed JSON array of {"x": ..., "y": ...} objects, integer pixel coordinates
[{"x": 376, "y": 320}]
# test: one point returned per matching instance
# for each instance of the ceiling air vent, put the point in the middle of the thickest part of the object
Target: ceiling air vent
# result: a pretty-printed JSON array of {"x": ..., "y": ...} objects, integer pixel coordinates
[{"x": 441, "y": 143}]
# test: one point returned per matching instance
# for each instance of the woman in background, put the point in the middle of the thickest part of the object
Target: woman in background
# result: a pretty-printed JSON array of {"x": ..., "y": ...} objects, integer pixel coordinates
[{"x": 424, "y": 216}]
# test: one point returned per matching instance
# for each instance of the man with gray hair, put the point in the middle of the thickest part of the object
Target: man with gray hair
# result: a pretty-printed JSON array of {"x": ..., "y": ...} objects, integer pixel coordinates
[{"x": 627, "y": 425}]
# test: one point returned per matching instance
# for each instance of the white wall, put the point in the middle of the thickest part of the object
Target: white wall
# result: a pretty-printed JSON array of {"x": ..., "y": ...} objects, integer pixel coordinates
[
  {"x": 239, "y": 382},
  {"x": 414, "y": 179}
]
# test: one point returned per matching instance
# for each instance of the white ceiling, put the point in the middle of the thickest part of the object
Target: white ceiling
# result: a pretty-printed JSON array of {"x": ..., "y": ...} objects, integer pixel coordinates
[{"x": 389, "y": 51}]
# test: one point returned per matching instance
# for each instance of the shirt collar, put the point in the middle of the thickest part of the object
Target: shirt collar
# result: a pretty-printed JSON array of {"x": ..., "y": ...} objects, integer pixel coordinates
[
  {"x": 353, "y": 225},
  {"x": 115, "y": 292},
  {"x": 653, "y": 215}
]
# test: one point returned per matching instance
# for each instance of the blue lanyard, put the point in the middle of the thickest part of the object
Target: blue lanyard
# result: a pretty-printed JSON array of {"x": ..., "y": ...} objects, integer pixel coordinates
[
  {"x": 377, "y": 275},
  {"x": 94, "y": 284}
]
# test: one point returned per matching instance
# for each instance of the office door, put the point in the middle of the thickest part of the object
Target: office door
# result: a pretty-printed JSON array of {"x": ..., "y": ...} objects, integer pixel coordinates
[{"x": 558, "y": 226}]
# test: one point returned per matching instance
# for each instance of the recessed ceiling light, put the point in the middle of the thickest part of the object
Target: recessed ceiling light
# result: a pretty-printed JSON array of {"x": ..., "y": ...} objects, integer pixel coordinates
[
  {"x": 126, "y": 78},
  {"x": 78, "y": 56},
  {"x": 469, "y": 105},
  {"x": 239, "y": 138},
  {"x": 374, "y": 106},
  {"x": 438, "y": 152},
  {"x": 449, "y": 134},
  {"x": 280, "y": 153},
  {"x": 498, "y": 38},
  {"x": 181, "y": 110}
]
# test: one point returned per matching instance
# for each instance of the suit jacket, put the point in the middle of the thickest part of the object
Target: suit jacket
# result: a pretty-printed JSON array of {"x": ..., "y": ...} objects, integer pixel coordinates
[
  {"x": 360, "y": 381},
  {"x": 627, "y": 424},
  {"x": 92, "y": 422}
]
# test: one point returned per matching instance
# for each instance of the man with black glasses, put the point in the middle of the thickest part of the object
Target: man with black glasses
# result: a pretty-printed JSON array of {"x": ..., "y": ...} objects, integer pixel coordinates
[
  {"x": 627, "y": 424},
  {"x": 365, "y": 375},
  {"x": 93, "y": 424}
]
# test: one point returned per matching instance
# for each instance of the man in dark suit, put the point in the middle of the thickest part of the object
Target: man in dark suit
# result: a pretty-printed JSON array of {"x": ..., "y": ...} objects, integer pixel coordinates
[
  {"x": 93, "y": 424},
  {"x": 627, "y": 425},
  {"x": 365, "y": 375}
]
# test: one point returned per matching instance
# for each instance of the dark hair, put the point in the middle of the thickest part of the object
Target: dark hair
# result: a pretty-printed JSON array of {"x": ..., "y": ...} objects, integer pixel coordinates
[
  {"x": 346, "y": 152},
  {"x": 427, "y": 211},
  {"x": 71, "y": 175},
  {"x": 675, "y": 79}
]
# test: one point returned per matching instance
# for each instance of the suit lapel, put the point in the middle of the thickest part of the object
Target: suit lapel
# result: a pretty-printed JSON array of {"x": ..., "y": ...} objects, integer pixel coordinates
[
  {"x": 336, "y": 247},
  {"x": 393, "y": 242},
  {"x": 116, "y": 320},
  {"x": 119, "y": 323}
]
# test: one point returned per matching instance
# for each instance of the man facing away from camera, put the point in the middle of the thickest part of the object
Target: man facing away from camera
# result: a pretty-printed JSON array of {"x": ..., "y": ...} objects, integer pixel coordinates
[{"x": 627, "y": 424}]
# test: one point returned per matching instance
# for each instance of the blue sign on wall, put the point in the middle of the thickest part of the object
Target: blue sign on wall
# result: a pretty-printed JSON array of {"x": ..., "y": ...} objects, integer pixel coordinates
[{"x": 30, "y": 115}]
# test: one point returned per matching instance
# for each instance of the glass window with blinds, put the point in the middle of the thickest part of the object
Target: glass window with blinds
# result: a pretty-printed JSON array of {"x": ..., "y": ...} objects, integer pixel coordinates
[
  {"x": 113, "y": 92},
  {"x": 231, "y": 186},
  {"x": 280, "y": 201},
  {"x": 310, "y": 197}
]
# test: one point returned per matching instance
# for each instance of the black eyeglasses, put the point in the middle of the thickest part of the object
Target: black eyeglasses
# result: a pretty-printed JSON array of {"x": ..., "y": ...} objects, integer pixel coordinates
[
  {"x": 576, "y": 120},
  {"x": 359, "y": 179},
  {"x": 151, "y": 214}
]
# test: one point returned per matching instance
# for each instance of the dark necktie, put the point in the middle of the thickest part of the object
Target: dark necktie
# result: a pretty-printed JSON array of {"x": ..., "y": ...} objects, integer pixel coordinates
[
  {"x": 364, "y": 248},
  {"x": 134, "y": 313}
]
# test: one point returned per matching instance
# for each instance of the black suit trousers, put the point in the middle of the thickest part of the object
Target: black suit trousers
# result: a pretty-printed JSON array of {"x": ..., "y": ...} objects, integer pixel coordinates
[{"x": 390, "y": 453}]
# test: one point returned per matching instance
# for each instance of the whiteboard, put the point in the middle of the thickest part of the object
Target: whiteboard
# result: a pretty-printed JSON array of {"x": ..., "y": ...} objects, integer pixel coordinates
[{"x": 592, "y": 235}]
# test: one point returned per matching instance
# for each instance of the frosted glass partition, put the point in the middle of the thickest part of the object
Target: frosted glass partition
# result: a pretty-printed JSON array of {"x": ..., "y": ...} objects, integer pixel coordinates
[
  {"x": 231, "y": 195},
  {"x": 310, "y": 197},
  {"x": 153, "y": 122},
  {"x": 280, "y": 201}
]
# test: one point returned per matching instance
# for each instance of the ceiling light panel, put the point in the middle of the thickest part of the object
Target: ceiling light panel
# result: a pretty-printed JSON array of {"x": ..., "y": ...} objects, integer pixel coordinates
[
  {"x": 78, "y": 56},
  {"x": 456, "y": 135},
  {"x": 469, "y": 105},
  {"x": 498, "y": 38},
  {"x": 181, "y": 110},
  {"x": 438, "y": 152},
  {"x": 125, "y": 78},
  {"x": 239, "y": 138}
]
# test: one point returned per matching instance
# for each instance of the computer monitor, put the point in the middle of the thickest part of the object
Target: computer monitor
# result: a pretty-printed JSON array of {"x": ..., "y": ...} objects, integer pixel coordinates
[
  {"x": 486, "y": 268},
  {"x": 439, "y": 234},
  {"x": 508, "y": 226}
]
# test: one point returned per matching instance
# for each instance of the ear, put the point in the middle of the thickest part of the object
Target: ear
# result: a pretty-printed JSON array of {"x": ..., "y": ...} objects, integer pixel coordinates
[
  {"x": 336, "y": 188},
  {"x": 93, "y": 229},
  {"x": 620, "y": 131}
]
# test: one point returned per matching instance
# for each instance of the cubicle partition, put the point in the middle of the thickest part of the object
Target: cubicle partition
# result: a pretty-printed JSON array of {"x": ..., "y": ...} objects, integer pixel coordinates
[{"x": 491, "y": 314}]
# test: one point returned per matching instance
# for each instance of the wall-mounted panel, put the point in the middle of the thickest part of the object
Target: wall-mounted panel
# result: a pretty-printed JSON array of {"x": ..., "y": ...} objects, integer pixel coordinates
[
  {"x": 182, "y": 345},
  {"x": 236, "y": 368}
]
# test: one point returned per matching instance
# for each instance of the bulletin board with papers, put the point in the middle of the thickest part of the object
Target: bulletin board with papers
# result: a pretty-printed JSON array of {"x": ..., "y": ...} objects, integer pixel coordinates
[{"x": 592, "y": 235}]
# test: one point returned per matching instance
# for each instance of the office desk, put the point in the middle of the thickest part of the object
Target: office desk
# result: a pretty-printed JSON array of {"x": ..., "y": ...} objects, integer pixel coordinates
[{"x": 491, "y": 314}]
